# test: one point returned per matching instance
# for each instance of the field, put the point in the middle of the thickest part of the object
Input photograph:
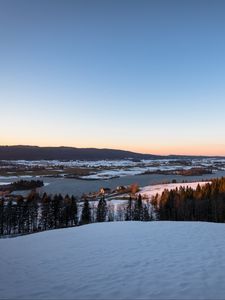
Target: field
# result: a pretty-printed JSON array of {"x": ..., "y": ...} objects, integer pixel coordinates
[
  {"x": 106, "y": 169},
  {"x": 120, "y": 260}
]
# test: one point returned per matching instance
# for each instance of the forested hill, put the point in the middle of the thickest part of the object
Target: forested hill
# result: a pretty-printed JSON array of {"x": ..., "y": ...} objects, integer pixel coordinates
[
  {"x": 66, "y": 153},
  {"x": 71, "y": 153}
]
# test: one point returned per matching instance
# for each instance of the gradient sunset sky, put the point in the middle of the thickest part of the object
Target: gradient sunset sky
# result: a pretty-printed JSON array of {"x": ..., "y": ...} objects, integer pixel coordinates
[{"x": 146, "y": 76}]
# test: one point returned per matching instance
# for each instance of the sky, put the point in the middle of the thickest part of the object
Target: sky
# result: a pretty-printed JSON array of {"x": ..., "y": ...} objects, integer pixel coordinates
[{"x": 146, "y": 76}]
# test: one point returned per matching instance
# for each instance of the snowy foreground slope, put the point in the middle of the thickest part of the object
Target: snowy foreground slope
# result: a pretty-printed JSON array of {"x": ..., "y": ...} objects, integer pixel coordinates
[{"x": 120, "y": 260}]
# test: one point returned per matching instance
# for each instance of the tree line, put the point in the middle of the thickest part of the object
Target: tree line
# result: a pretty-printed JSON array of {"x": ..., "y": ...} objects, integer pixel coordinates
[
  {"x": 205, "y": 203},
  {"x": 44, "y": 212},
  {"x": 39, "y": 213},
  {"x": 22, "y": 185}
]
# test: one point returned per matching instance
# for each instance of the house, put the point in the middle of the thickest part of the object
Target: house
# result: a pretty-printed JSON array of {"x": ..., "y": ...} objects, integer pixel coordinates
[
  {"x": 104, "y": 191},
  {"x": 121, "y": 189}
]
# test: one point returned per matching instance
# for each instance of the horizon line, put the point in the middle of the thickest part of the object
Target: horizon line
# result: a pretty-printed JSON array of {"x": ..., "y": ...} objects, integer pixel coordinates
[{"x": 116, "y": 149}]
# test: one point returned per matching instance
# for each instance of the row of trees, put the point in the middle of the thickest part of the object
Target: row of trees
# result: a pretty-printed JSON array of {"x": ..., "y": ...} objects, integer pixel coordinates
[
  {"x": 206, "y": 203},
  {"x": 36, "y": 213},
  {"x": 134, "y": 210}
]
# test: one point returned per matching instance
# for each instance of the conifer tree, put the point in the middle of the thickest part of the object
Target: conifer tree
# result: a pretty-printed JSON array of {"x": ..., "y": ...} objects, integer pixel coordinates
[
  {"x": 56, "y": 211},
  {"x": 129, "y": 210},
  {"x": 32, "y": 203},
  {"x": 73, "y": 211},
  {"x": 8, "y": 213},
  {"x": 146, "y": 216},
  {"x": 86, "y": 213},
  {"x": 66, "y": 210},
  {"x": 138, "y": 209},
  {"x": 2, "y": 216},
  {"x": 45, "y": 209},
  {"x": 60, "y": 213},
  {"x": 101, "y": 210}
]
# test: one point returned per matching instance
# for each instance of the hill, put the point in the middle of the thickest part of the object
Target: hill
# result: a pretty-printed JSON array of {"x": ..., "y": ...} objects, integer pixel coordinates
[
  {"x": 66, "y": 153},
  {"x": 22, "y": 152},
  {"x": 129, "y": 260}
]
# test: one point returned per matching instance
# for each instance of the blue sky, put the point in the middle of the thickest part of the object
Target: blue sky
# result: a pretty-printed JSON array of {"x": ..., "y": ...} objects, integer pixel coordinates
[{"x": 146, "y": 76}]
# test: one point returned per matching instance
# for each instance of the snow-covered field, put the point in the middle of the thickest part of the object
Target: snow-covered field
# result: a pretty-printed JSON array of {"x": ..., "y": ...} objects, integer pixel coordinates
[
  {"x": 5, "y": 182},
  {"x": 131, "y": 171},
  {"x": 120, "y": 260},
  {"x": 115, "y": 173},
  {"x": 149, "y": 191},
  {"x": 106, "y": 169},
  {"x": 152, "y": 190},
  {"x": 117, "y": 163}
]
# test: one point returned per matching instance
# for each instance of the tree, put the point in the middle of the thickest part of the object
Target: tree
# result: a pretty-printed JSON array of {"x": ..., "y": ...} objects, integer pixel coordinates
[
  {"x": 86, "y": 213},
  {"x": 111, "y": 214},
  {"x": 101, "y": 210},
  {"x": 73, "y": 211},
  {"x": 2, "y": 206},
  {"x": 56, "y": 211},
  {"x": 138, "y": 209},
  {"x": 134, "y": 188},
  {"x": 45, "y": 211},
  {"x": 32, "y": 203},
  {"x": 129, "y": 210},
  {"x": 66, "y": 210},
  {"x": 9, "y": 217},
  {"x": 146, "y": 215}
]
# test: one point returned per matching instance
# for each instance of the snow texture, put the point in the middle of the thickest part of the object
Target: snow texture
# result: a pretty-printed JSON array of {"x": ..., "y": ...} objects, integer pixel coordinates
[{"x": 120, "y": 260}]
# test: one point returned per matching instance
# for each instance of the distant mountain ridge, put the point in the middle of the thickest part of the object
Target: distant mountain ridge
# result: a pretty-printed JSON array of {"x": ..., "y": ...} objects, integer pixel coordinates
[
  {"x": 21, "y": 152},
  {"x": 66, "y": 153}
]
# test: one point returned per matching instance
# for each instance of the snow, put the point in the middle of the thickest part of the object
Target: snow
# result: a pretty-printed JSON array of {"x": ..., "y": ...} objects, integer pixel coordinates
[
  {"x": 149, "y": 191},
  {"x": 106, "y": 174},
  {"x": 152, "y": 190},
  {"x": 131, "y": 171},
  {"x": 16, "y": 177},
  {"x": 117, "y": 163},
  {"x": 105, "y": 169},
  {"x": 8, "y": 177},
  {"x": 120, "y": 260},
  {"x": 117, "y": 201},
  {"x": 111, "y": 169},
  {"x": 75, "y": 163}
]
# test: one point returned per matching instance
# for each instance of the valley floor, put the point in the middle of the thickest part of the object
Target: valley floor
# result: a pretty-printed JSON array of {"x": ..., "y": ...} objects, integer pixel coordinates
[{"x": 119, "y": 260}]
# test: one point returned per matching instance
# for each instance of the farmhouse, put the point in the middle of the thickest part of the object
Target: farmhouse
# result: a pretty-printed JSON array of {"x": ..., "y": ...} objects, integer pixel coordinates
[{"x": 104, "y": 191}]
